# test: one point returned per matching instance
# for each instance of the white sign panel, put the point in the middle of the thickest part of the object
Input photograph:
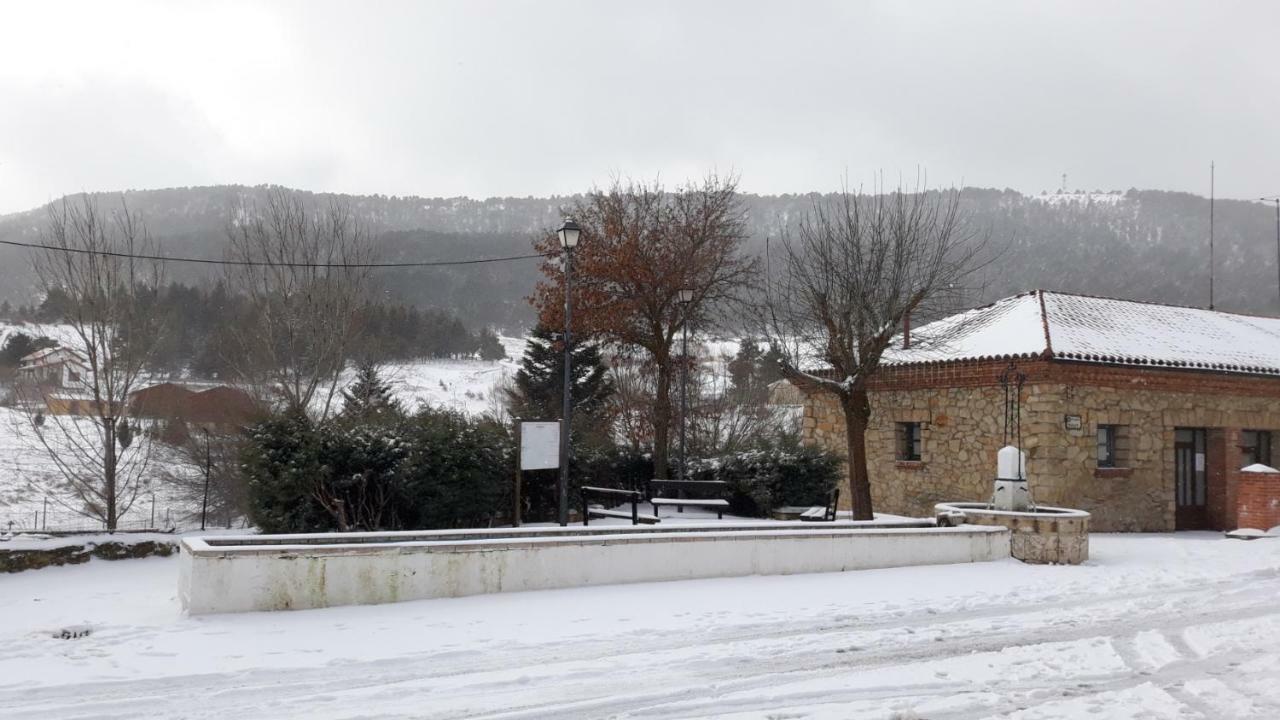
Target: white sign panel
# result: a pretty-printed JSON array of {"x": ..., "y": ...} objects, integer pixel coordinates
[{"x": 539, "y": 445}]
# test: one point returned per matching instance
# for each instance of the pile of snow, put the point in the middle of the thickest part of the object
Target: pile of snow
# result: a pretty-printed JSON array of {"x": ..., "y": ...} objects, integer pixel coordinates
[{"x": 1258, "y": 468}]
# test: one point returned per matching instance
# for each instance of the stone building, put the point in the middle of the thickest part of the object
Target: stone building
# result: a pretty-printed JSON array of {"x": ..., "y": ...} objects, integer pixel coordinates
[{"x": 1145, "y": 415}]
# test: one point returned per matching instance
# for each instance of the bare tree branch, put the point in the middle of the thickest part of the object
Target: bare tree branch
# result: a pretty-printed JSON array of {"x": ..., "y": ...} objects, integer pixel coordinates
[{"x": 854, "y": 269}]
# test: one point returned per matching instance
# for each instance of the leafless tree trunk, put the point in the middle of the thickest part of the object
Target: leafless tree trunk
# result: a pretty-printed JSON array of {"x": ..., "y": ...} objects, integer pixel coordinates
[
  {"x": 305, "y": 294},
  {"x": 216, "y": 452},
  {"x": 848, "y": 276},
  {"x": 110, "y": 296}
]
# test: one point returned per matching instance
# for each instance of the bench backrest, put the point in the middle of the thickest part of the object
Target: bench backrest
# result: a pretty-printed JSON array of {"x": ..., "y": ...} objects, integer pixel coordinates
[
  {"x": 697, "y": 488},
  {"x": 833, "y": 501},
  {"x": 611, "y": 492}
]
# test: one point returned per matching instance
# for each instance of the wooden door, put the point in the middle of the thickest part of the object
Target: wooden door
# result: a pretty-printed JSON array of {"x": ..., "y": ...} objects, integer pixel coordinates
[{"x": 1190, "y": 479}]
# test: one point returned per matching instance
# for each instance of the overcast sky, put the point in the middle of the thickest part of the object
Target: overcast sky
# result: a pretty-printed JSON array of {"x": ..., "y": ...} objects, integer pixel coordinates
[{"x": 538, "y": 98}]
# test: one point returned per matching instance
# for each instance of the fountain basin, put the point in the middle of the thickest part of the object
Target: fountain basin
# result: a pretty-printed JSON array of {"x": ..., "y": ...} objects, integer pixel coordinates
[
  {"x": 1045, "y": 536},
  {"x": 277, "y": 572}
]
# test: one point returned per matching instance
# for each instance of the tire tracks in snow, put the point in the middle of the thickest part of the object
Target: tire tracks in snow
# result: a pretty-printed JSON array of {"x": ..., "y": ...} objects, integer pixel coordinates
[{"x": 681, "y": 656}]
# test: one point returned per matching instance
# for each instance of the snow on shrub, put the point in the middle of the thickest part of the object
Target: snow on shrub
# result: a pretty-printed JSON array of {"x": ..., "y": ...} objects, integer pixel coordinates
[{"x": 761, "y": 480}]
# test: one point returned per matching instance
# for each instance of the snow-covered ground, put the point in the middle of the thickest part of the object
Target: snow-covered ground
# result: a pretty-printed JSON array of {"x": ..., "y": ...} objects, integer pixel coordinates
[
  {"x": 1180, "y": 626},
  {"x": 465, "y": 385}
]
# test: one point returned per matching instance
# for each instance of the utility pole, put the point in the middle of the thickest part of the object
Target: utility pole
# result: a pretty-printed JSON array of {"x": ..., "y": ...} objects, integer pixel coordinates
[
  {"x": 1211, "y": 195},
  {"x": 1276, "y": 200},
  {"x": 208, "y": 464}
]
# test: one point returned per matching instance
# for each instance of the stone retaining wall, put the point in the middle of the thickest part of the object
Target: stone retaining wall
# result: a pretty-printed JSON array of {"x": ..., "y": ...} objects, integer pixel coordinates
[{"x": 19, "y": 559}]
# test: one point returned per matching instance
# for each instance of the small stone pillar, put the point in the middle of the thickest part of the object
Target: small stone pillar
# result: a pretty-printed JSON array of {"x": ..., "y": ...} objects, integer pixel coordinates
[
  {"x": 1011, "y": 480},
  {"x": 1257, "y": 498}
]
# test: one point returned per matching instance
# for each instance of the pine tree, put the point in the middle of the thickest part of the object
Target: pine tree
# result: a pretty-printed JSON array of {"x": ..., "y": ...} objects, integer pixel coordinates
[
  {"x": 752, "y": 370},
  {"x": 540, "y": 379},
  {"x": 20, "y": 345},
  {"x": 490, "y": 346},
  {"x": 370, "y": 398}
]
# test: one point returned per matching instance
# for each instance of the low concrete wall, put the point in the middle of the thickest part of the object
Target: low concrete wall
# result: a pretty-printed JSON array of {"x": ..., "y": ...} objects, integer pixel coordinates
[
  {"x": 233, "y": 574},
  {"x": 1047, "y": 536}
]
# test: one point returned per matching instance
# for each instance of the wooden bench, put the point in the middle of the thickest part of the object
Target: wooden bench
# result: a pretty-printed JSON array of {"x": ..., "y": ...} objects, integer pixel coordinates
[
  {"x": 635, "y": 497},
  {"x": 706, "y": 494},
  {"x": 819, "y": 513}
]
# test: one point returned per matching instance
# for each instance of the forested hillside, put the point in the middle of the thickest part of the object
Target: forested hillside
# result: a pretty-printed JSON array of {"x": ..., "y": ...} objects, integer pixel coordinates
[{"x": 1145, "y": 245}]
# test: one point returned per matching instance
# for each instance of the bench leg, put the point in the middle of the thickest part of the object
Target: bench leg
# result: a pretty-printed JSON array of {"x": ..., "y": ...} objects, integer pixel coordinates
[{"x": 719, "y": 515}]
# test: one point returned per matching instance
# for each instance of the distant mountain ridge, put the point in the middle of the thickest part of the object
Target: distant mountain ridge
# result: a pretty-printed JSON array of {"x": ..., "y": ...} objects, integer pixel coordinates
[{"x": 1140, "y": 244}]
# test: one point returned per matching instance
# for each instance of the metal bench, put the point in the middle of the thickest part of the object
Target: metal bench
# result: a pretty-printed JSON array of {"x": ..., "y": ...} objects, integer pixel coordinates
[
  {"x": 819, "y": 513},
  {"x": 635, "y": 497},
  {"x": 707, "y": 494}
]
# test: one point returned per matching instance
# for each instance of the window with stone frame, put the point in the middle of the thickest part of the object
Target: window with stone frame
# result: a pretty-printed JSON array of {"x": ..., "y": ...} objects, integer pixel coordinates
[
  {"x": 910, "y": 441},
  {"x": 1113, "y": 446},
  {"x": 1255, "y": 446}
]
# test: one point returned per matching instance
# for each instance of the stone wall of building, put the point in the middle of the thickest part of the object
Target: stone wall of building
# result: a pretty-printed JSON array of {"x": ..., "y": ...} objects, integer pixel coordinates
[{"x": 960, "y": 407}]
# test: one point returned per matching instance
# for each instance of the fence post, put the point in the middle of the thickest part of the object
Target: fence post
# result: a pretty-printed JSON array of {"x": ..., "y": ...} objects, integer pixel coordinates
[
  {"x": 153, "y": 511},
  {"x": 44, "y": 522}
]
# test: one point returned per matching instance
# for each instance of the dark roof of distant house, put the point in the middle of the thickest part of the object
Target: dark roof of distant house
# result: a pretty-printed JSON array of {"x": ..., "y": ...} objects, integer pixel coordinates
[
  {"x": 219, "y": 404},
  {"x": 1085, "y": 328}
]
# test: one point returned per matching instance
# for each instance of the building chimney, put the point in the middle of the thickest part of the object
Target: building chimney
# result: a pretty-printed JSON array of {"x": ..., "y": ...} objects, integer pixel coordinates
[{"x": 906, "y": 331}]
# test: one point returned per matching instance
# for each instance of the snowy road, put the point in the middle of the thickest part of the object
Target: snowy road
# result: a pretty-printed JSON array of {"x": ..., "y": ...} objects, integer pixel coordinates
[{"x": 1184, "y": 626}]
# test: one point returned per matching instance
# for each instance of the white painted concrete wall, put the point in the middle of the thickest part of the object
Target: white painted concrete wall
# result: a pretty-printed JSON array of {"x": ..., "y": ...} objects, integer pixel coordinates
[{"x": 216, "y": 579}]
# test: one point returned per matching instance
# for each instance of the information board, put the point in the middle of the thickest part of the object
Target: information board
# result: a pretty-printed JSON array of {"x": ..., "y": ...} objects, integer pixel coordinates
[{"x": 539, "y": 445}]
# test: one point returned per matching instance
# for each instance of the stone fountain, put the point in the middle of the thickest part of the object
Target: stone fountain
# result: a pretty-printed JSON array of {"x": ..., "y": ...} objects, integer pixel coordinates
[{"x": 1039, "y": 534}]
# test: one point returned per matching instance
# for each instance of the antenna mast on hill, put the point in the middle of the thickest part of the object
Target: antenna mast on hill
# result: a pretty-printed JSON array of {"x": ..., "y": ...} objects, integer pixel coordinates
[
  {"x": 1211, "y": 194},
  {"x": 1064, "y": 183}
]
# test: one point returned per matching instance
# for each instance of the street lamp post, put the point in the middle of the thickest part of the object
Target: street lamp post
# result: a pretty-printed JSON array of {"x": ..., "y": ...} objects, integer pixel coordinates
[
  {"x": 686, "y": 296},
  {"x": 569, "y": 233},
  {"x": 1276, "y": 200},
  {"x": 208, "y": 462}
]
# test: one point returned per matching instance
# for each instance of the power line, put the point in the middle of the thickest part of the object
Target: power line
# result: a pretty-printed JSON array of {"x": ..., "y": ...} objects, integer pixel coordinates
[{"x": 261, "y": 263}]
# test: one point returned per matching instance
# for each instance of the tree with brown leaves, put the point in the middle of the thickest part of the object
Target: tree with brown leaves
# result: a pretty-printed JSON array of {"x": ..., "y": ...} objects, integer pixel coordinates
[{"x": 642, "y": 244}]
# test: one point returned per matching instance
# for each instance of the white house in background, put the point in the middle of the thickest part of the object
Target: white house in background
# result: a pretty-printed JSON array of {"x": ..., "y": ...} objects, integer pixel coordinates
[{"x": 53, "y": 367}]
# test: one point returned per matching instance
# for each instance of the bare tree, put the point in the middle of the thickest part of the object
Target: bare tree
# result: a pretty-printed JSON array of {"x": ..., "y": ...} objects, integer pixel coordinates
[
  {"x": 640, "y": 246},
  {"x": 853, "y": 271},
  {"x": 722, "y": 422},
  {"x": 300, "y": 271},
  {"x": 109, "y": 299},
  {"x": 205, "y": 472}
]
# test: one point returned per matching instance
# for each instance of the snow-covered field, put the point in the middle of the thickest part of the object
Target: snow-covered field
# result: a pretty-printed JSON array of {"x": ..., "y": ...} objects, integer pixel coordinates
[
  {"x": 465, "y": 385},
  {"x": 1155, "y": 626},
  {"x": 28, "y": 475}
]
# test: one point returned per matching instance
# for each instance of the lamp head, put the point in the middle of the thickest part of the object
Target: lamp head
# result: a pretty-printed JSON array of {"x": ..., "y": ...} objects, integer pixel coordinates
[{"x": 569, "y": 233}]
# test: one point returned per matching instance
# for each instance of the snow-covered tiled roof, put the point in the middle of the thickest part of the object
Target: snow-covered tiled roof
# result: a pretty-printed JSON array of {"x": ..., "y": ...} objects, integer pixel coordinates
[
  {"x": 1103, "y": 330},
  {"x": 49, "y": 356}
]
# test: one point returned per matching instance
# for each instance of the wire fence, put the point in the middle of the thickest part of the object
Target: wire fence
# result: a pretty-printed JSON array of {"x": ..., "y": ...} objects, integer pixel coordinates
[{"x": 57, "y": 519}]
